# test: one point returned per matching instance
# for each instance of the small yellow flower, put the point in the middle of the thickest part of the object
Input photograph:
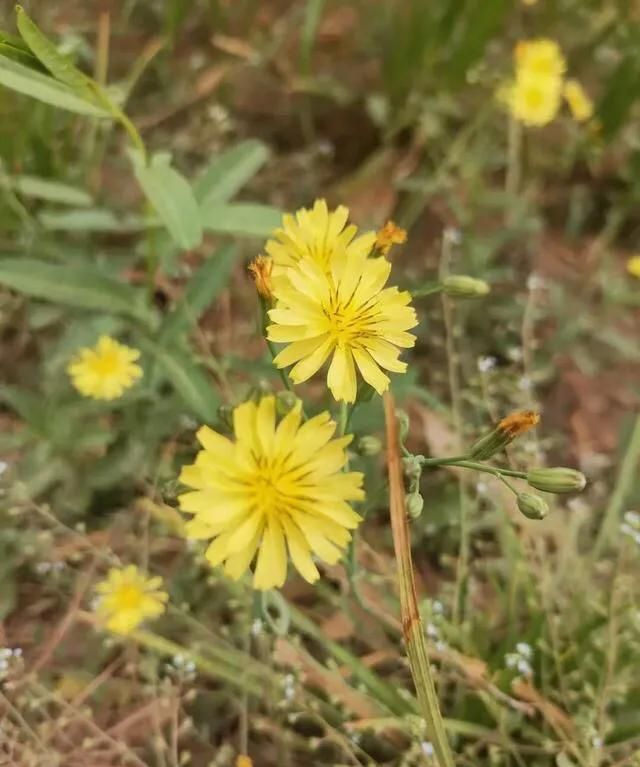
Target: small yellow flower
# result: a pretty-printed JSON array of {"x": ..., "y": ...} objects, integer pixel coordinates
[
  {"x": 633, "y": 266},
  {"x": 319, "y": 235},
  {"x": 388, "y": 236},
  {"x": 105, "y": 371},
  {"x": 244, "y": 761},
  {"x": 347, "y": 313},
  {"x": 539, "y": 58},
  {"x": 274, "y": 487},
  {"x": 261, "y": 269},
  {"x": 579, "y": 102},
  {"x": 127, "y": 598},
  {"x": 534, "y": 99}
]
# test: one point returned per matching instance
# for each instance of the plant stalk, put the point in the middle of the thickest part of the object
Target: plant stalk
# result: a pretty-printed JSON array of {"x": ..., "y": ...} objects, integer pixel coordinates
[{"x": 412, "y": 628}]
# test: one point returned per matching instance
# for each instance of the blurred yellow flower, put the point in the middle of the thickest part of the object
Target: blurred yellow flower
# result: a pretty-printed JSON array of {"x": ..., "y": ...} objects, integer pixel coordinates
[
  {"x": 105, "y": 371},
  {"x": 388, "y": 236},
  {"x": 274, "y": 487},
  {"x": 347, "y": 313},
  {"x": 579, "y": 102},
  {"x": 633, "y": 266},
  {"x": 539, "y": 58},
  {"x": 319, "y": 235},
  {"x": 127, "y": 598},
  {"x": 244, "y": 761},
  {"x": 534, "y": 100}
]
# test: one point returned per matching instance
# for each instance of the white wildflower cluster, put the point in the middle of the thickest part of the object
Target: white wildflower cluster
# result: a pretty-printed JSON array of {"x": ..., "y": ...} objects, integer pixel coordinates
[
  {"x": 183, "y": 667},
  {"x": 520, "y": 660},
  {"x": 631, "y": 526},
  {"x": 10, "y": 659}
]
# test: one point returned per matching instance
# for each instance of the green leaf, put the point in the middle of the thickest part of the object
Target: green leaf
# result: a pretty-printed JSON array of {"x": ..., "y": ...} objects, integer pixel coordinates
[
  {"x": 229, "y": 172},
  {"x": 205, "y": 285},
  {"x": 172, "y": 197},
  {"x": 46, "y": 52},
  {"x": 248, "y": 219},
  {"x": 93, "y": 220},
  {"x": 51, "y": 191},
  {"x": 188, "y": 379},
  {"x": 620, "y": 93},
  {"x": 81, "y": 287},
  {"x": 19, "y": 78}
]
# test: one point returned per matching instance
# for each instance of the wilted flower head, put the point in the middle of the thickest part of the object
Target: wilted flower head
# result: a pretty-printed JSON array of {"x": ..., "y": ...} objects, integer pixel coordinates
[
  {"x": 105, "y": 371},
  {"x": 277, "y": 486},
  {"x": 388, "y": 236},
  {"x": 506, "y": 431},
  {"x": 261, "y": 269},
  {"x": 127, "y": 598}
]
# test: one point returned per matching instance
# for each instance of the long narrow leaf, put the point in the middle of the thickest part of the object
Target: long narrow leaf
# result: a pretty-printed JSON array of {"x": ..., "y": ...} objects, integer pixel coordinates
[
  {"x": 84, "y": 288},
  {"x": 229, "y": 172},
  {"x": 248, "y": 219},
  {"x": 51, "y": 191},
  {"x": 19, "y": 78}
]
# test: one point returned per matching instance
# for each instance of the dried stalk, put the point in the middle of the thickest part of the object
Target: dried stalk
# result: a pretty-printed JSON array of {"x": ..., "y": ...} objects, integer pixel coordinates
[{"x": 412, "y": 628}]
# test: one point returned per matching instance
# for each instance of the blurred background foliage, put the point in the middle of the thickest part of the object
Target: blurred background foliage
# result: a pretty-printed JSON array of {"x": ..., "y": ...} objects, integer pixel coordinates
[{"x": 389, "y": 108}]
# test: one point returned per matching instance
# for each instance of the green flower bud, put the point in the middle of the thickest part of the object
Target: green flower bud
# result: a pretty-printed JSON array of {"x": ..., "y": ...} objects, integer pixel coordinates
[
  {"x": 412, "y": 466},
  {"x": 557, "y": 480},
  {"x": 403, "y": 424},
  {"x": 532, "y": 506},
  {"x": 414, "y": 505},
  {"x": 369, "y": 445},
  {"x": 285, "y": 401},
  {"x": 505, "y": 432},
  {"x": 463, "y": 286}
]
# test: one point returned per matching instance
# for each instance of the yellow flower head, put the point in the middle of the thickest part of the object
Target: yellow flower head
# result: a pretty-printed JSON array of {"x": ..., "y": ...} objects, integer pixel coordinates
[
  {"x": 539, "y": 58},
  {"x": 244, "y": 761},
  {"x": 348, "y": 314},
  {"x": 388, "y": 236},
  {"x": 127, "y": 598},
  {"x": 105, "y": 371},
  {"x": 533, "y": 99},
  {"x": 261, "y": 269},
  {"x": 276, "y": 487},
  {"x": 319, "y": 235},
  {"x": 633, "y": 266},
  {"x": 579, "y": 102}
]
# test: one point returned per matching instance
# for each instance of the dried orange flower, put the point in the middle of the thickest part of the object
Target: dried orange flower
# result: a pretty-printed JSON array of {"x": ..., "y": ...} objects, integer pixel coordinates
[
  {"x": 518, "y": 423},
  {"x": 388, "y": 236},
  {"x": 261, "y": 269}
]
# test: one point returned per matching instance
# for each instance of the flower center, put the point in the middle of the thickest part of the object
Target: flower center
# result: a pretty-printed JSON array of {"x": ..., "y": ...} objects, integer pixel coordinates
[
  {"x": 348, "y": 323},
  {"x": 129, "y": 597},
  {"x": 106, "y": 364}
]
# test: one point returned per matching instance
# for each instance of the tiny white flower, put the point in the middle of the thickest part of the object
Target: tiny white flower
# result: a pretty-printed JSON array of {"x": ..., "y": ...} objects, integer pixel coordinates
[
  {"x": 632, "y": 518},
  {"x": 525, "y": 383},
  {"x": 432, "y": 631},
  {"x": 256, "y": 627},
  {"x": 427, "y": 748},
  {"x": 486, "y": 364},
  {"x": 481, "y": 487},
  {"x": 441, "y": 646},
  {"x": 535, "y": 282},
  {"x": 437, "y": 607},
  {"x": 597, "y": 741},
  {"x": 524, "y": 667},
  {"x": 524, "y": 649}
]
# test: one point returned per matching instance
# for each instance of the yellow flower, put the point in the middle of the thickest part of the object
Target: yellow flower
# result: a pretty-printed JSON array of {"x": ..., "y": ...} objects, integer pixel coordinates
[
  {"x": 274, "y": 487},
  {"x": 348, "y": 313},
  {"x": 319, "y": 235},
  {"x": 633, "y": 266},
  {"x": 388, "y": 236},
  {"x": 539, "y": 58},
  {"x": 534, "y": 99},
  {"x": 261, "y": 269},
  {"x": 128, "y": 597},
  {"x": 244, "y": 761},
  {"x": 105, "y": 371},
  {"x": 579, "y": 102}
]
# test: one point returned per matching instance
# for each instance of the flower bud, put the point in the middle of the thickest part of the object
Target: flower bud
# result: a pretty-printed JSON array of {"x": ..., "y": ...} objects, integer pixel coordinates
[
  {"x": 369, "y": 445},
  {"x": 285, "y": 401},
  {"x": 557, "y": 480},
  {"x": 414, "y": 504},
  {"x": 403, "y": 424},
  {"x": 463, "y": 286},
  {"x": 532, "y": 506},
  {"x": 505, "y": 432}
]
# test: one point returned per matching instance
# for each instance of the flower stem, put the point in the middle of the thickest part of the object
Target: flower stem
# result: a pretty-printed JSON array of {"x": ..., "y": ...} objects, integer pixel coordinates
[
  {"x": 412, "y": 628},
  {"x": 464, "y": 464}
]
